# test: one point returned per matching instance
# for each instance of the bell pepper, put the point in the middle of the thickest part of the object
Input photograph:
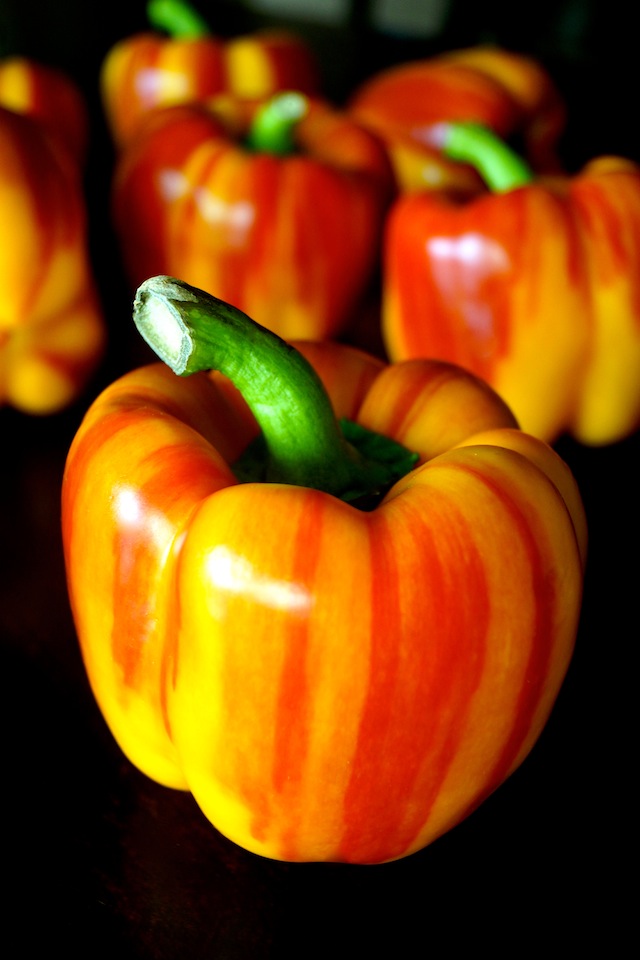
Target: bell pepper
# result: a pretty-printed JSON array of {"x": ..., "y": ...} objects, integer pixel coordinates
[
  {"x": 333, "y": 598},
  {"x": 180, "y": 61},
  {"x": 52, "y": 329},
  {"x": 48, "y": 95},
  {"x": 510, "y": 93},
  {"x": 276, "y": 206},
  {"x": 533, "y": 287}
]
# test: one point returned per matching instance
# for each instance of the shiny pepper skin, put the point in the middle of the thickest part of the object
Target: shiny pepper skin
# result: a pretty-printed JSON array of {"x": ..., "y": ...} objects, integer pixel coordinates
[
  {"x": 52, "y": 329},
  {"x": 510, "y": 93},
  {"x": 330, "y": 684},
  {"x": 535, "y": 290},
  {"x": 292, "y": 240}
]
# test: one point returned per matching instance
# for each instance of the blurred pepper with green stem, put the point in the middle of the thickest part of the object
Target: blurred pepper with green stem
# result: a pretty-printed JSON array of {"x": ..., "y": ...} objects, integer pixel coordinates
[{"x": 533, "y": 286}]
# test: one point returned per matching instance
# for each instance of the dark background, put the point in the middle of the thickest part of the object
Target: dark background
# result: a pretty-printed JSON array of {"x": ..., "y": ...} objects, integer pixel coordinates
[{"x": 101, "y": 862}]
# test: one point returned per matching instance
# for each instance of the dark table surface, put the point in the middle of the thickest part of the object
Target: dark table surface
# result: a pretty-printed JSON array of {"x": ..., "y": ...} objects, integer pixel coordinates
[{"x": 101, "y": 862}]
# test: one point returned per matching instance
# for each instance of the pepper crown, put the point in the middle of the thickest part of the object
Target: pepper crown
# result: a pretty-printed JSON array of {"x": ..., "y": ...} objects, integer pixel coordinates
[
  {"x": 275, "y": 121},
  {"x": 301, "y": 441},
  {"x": 177, "y": 18},
  {"x": 499, "y": 166}
]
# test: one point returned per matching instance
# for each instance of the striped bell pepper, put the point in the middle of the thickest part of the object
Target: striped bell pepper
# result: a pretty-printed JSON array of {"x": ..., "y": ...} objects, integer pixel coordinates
[
  {"x": 333, "y": 598},
  {"x": 52, "y": 330},
  {"x": 508, "y": 92},
  {"x": 179, "y": 60},
  {"x": 276, "y": 206},
  {"x": 533, "y": 286}
]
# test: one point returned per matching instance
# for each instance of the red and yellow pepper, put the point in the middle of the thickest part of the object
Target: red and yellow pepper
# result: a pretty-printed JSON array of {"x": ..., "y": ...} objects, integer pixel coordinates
[
  {"x": 51, "y": 325},
  {"x": 48, "y": 95},
  {"x": 338, "y": 646},
  {"x": 535, "y": 287},
  {"x": 276, "y": 206},
  {"x": 181, "y": 61},
  {"x": 510, "y": 93}
]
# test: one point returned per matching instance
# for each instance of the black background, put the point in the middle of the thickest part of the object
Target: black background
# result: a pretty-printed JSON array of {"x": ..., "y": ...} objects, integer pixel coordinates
[{"x": 98, "y": 861}]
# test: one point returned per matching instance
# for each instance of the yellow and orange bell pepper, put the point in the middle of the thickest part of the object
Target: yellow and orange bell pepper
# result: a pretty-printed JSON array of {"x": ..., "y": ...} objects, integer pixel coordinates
[
  {"x": 286, "y": 227},
  {"x": 181, "y": 61},
  {"x": 508, "y": 92},
  {"x": 52, "y": 330},
  {"x": 48, "y": 95},
  {"x": 339, "y": 646},
  {"x": 535, "y": 287}
]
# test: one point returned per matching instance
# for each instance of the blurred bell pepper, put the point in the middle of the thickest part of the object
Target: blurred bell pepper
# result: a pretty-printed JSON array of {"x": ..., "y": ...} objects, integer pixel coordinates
[
  {"x": 535, "y": 288},
  {"x": 276, "y": 206},
  {"x": 51, "y": 325},
  {"x": 510, "y": 93},
  {"x": 180, "y": 61},
  {"x": 339, "y": 646},
  {"x": 48, "y": 95}
]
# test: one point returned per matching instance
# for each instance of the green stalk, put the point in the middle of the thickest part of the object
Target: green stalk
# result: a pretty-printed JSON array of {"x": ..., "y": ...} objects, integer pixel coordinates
[
  {"x": 177, "y": 18},
  {"x": 273, "y": 127},
  {"x": 498, "y": 165},
  {"x": 301, "y": 441}
]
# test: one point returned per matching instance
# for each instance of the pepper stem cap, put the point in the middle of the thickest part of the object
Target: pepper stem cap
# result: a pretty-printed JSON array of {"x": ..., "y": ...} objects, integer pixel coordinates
[
  {"x": 177, "y": 18},
  {"x": 301, "y": 441},
  {"x": 500, "y": 167},
  {"x": 273, "y": 127}
]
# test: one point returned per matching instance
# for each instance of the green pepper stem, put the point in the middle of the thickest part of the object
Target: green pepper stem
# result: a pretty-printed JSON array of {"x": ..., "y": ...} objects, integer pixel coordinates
[
  {"x": 191, "y": 331},
  {"x": 498, "y": 165},
  {"x": 177, "y": 18},
  {"x": 273, "y": 127}
]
